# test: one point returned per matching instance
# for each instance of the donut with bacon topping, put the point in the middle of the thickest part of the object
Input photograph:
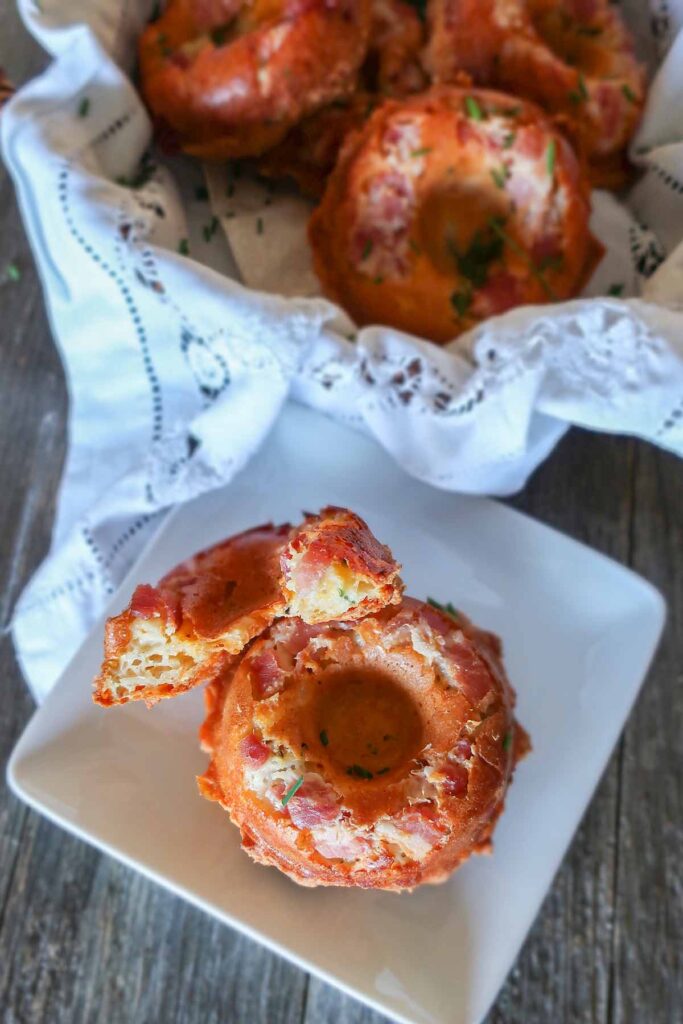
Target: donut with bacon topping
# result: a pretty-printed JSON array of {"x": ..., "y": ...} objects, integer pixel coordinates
[
  {"x": 183, "y": 631},
  {"x": 576, "y": 59},
  {"x": 391, "y": 68},
  {"x": 229, "y": 78},
  {"x": 373, "y": 753},
  {"x": 450, "y": 207}
]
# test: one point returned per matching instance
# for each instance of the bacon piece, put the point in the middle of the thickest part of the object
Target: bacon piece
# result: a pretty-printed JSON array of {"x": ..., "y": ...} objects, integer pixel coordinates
[
  {"x": 266, "y": 675},
  {"x": 314, "y": 803},
  {"x": 254, "y": 751},
  {"x": 455, "y": 781},
  {"x": 341, "y": 847},
  {"x": 471, "y": 672},
  {"x": 422, "y": 820}
]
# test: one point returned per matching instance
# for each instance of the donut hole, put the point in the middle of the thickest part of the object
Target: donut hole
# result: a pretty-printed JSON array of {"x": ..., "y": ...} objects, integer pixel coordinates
[
  {"x": 366, "y": 722},
  {"x": 452, "y": 222}
]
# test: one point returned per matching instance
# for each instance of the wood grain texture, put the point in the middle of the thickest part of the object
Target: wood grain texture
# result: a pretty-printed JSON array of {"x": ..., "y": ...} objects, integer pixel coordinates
[{"x": 85, "y": 940}]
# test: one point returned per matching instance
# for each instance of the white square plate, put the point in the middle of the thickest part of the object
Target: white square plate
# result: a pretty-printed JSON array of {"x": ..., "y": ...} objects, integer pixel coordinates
[{"x": 579, "y": 632}]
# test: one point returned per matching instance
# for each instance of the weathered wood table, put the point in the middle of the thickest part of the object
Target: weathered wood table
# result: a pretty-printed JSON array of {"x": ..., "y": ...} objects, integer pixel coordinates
[{"x": 83, "y": 939}]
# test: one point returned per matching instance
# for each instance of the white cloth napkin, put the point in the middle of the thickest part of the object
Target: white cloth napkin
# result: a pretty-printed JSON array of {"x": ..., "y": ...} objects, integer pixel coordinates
[{"x": 176, "y": 371}]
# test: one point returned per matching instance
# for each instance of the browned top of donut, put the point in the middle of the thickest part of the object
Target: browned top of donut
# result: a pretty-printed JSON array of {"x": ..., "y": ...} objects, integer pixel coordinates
[
  {"x": 228, "y": 78},
  {"x": 373, "y": 753},
  {"x": 450, "y": 207}
]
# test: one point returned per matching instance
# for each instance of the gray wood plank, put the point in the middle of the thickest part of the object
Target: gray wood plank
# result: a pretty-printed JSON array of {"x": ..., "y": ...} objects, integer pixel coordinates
[{"x": 648, "y": 937}]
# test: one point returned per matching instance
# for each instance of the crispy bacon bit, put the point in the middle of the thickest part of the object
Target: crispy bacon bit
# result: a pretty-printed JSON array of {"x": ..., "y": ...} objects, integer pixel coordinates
[
  {"x": 342, "y": 848},
  {"x": 462, "y": 750},
  {"x": 266, "y": 675},
  {"x": 422, "y": 820},
  {"x": 254, "y": 751},
  {"x": 471, "y": 671},
  {"x": 149, "y": 603},
  {"x": 501, "y": 292},
  {"x": 313, "y": 804},
  {"x": 455, "y": 780}
]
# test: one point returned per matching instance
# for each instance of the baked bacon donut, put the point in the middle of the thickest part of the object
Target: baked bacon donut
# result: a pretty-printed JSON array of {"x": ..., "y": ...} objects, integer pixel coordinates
[
  {"x": 391, "y": 68},
  {"x": 228, "y": 78},
  {"x": 374, "y": 754},
  {"x": 575, "y": 58},
  {"x": 449, "y": 207},
  {"x": 180, "y": 633}
]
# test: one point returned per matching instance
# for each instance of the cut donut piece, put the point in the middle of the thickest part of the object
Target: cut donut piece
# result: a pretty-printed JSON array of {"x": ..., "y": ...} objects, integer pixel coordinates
[
  {"x": 374, "y": 753},
  {"x": 180, "y": 633},
  {"x": 450, "y": 207},
  {"x": 576, "y": 59},
  {"x": 229, "y": 78}
]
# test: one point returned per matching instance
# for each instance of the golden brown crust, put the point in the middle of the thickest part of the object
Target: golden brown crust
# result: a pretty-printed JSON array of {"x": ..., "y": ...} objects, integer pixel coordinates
[
  {"x": 228, "y": 78},
  {"x": 375, "y": 754},
  {"x": 392, "y": 67},
  {"x": 574, "y": 58},
  {"x": 202, "y": 613},
  {"x": 450, "y": 207}
]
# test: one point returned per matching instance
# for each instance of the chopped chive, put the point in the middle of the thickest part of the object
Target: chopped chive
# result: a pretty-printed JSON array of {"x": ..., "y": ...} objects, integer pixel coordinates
[
  {"x": 551, "y": 156},
  {"x": 452, "y": 610},
  {"x": 378, "y": 280},
  {"x": 367, "y": 249},
  {"x": 500, "y": 175},
  {"x": 497, "y": 225},
  {"x": 580, "y": 94},
  {"x": 324, "y": 738},
  {"x": 219, "y": 35},
  {"x": 509, "y": 139},
  {"x": 209, "y": 230},
  {"x": 184, "y": 247},
  {"x": 507, "y": 741},
  {"x": 12, "y": 272},
  {"x": 292, "y": 790},
  {"x": 422, "y": 152},
  {"x": 589, "y": 30},
  {"x": 473, "y": 109},
  {"x": 629, "y": 93},
  {"x": 259, "y": 225},
  {"x": 382, "y": 771},
  {"x": 230, "y": 190},
  {"x": 84, "y": 107},
  {"x": 201, "y": 192},
  {"x": 344, "y": 595},
  {"x": 359, "y": 772},
  {"x": 461, "y": 301},
  {"x": 435, "y": 604},
  {"x": 615, "y": 290}
]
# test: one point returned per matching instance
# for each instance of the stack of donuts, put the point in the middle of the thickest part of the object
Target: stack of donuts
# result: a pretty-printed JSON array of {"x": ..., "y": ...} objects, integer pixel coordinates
[
  {"x": 452, "y": 157},
  {"x": 356, "y": 737}
]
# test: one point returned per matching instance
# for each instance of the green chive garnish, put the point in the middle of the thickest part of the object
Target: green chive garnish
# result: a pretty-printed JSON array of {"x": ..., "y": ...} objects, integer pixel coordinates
[
  {"x": 367, "y": 249},
  {"x": 615, "y": 290},
  {"x": 184, "y": 247},
  {"x": 382, "y": 771},
  {"x": 201, "y": 192},
  {"x": 324, "y": 738},
  {"x": 507, "y": 741},
  {"x": 473, "y": 109},
  {"x": 461, "y": 301},
  {"x": 219, "y": 35},
  {"x": 509, "y": 140},
  {"x": 359, "y": 772},
  {"x": 12, "y": 271},
  {"x": 259, "y": 225},
  {"x": 500, "y": 176},
  {"x": 84, "y": 107},
  {"x": 292, "y": 790},
  {"x": 551, "y": 156},
  {"x": 421, "y": 152},
  {"x": 629, "y": 93}
]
